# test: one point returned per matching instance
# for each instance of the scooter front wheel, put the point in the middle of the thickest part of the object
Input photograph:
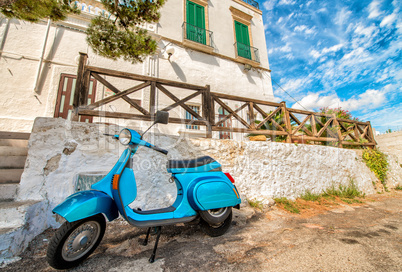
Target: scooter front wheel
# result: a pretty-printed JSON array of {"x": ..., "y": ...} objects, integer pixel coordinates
[
  {"x": 74, "y": 242},
  {"x": 215, "y": 230}
]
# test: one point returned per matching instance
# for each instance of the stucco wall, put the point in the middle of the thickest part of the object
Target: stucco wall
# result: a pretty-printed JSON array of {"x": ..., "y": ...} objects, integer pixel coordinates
[
  {"x": 391, "y": 143},
  {"x": 23, "y": 41},
  {"x": 60, "y": 150}
]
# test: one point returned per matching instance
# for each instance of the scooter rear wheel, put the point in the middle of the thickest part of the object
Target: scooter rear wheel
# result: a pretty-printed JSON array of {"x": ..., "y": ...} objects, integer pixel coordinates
[
  {"x": 216, "y": 230},
  {"x": 216, "y": 216},
  {"x": 74, "y": 242}
]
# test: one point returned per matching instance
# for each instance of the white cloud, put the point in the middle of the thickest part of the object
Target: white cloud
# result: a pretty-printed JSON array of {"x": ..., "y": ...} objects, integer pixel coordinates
[
  {"x": 371, "y": 99},
  {"x": 370, "y": 31},
  {"x": 315, "y": 54},
  {"x": 287, "y": 2},
  {"x": 342, "y": 16},
  {"x": 326, "y": 50},
  {"x": 305, "y": 29},
  {"x": 295, "y": 85},
  {"x": 269, "y": 5},
  {"x": 388, "y": 20},
  {"x": 374, "y": 10},
  {"x": 286, "y": 48}
]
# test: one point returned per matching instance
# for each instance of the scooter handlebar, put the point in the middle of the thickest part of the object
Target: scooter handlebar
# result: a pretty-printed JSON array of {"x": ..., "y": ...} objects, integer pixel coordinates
[
  {"x": 159, "y": 149},
  {"x": 115, "y": 136}
]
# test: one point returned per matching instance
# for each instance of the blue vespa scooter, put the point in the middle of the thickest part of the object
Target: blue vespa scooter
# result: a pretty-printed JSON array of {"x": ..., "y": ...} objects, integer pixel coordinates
[{"x": 204, "y": 193}]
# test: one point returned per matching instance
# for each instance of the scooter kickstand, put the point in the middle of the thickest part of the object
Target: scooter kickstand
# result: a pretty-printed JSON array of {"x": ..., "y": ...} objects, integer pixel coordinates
[
  {"x": 145, "y": 242},
  {"x": 158, "y": 232}
]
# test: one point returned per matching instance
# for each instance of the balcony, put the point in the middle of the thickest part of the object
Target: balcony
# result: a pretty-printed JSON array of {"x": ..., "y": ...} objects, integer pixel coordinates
[
  {"x": 252, "y": 3},
  {"x": 197, "y": 35},
  {"x": 247, "y": 52}
]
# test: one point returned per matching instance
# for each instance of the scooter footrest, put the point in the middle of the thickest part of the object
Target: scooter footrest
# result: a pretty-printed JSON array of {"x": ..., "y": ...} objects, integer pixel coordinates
[{"x": 163, "y": 210}]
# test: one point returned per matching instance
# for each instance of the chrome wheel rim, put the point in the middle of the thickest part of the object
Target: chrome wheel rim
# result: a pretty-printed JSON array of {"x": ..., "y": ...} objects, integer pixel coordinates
[
  {"x": 81, "y": 241},
  {"x": 217, "y": 212}
]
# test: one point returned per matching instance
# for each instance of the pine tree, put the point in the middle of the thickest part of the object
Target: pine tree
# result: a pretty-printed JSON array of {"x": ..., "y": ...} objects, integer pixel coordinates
[
  {"x": 34, "y": 10},
  {"x": 118, "y": 36}
]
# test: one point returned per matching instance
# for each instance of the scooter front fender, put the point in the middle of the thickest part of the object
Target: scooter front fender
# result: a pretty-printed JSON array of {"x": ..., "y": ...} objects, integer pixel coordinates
[{"x": 85, "y": 204}]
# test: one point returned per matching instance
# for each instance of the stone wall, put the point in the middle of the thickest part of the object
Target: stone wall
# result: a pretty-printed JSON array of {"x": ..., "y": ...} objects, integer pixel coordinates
[
  {"x": 391, "y": 143},
  {"x": 63, "y": 152}
]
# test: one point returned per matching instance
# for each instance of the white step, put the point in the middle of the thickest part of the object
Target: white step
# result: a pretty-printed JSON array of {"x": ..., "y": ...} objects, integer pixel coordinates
[
  {"x": 15, "y": 234},
  {"x": 8, "y": 191},
  {"x": 13, "y": 213},
  {"x": 14, "y": 135},
  {"x": 13, "y": 142},
  {"x": 12, "y": 162},
  {"x": 13, "y": 151},
  {"x": 10, "y": 175}
]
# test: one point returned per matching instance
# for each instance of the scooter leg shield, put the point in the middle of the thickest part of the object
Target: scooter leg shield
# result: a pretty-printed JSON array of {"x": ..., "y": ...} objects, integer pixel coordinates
[{"x": 85, "y": 204}]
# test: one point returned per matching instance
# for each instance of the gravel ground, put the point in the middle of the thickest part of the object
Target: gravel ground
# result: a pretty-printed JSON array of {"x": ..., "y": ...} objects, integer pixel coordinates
[{"x": 364, "y": 237}]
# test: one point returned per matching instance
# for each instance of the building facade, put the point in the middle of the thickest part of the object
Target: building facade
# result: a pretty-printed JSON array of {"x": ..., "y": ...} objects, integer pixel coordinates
[{"x": 220, "y": 43}]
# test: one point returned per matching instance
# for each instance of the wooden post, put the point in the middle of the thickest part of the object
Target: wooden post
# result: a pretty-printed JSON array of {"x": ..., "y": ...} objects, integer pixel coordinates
[
  {"x": 79, "y": 85},
  {"x": 313, "y": 125},
  {"x": 152, "y": 99},
  {"x": 288, "y": 126},
  {"x": 85, "y": 89},
  {"x": 338, "y": 131},
  {"x": 251, "y": 114},
  {"x": 207, "y": 106},
  {"x": 371, "y": 136}
]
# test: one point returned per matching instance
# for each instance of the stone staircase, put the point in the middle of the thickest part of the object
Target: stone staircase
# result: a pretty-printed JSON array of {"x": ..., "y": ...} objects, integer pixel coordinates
[{"x": 13, "y": 154}]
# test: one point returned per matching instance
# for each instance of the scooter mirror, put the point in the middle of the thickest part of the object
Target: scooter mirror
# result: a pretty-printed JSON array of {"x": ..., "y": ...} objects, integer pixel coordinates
[{"x": 162, "y": 117}]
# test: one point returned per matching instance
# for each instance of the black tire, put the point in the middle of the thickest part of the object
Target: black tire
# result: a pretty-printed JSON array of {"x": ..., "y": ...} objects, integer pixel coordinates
[
  {"x": 218, "y": 229},
  {"x": 216, "y": 216},
  {"x": 85, "y": 235}
]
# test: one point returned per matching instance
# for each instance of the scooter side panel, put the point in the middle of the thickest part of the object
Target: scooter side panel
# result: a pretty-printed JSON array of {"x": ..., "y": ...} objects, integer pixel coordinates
[
  {"x": 215, "y": 194},
  {"x": 85, "y": 204},
  {"x": 211, "y": 191}
]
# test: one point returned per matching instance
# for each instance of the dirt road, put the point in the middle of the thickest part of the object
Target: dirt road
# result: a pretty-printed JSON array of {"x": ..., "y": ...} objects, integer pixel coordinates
[{"x": 365, "y": 237}]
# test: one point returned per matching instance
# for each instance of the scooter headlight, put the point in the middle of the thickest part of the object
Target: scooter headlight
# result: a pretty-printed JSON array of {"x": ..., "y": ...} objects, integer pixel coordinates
[{"x": 125, "y": 137}]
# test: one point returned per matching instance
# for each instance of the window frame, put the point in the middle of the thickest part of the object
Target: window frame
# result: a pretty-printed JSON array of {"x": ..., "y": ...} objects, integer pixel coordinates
[
  {"x": 186, "y": 113},
  {"x": 245, "y": 19},
  {"x": 203, "y": 3}
]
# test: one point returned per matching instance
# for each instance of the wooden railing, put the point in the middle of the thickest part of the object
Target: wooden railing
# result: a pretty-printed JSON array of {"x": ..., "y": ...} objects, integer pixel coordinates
[{"x": 274, "y": 119}]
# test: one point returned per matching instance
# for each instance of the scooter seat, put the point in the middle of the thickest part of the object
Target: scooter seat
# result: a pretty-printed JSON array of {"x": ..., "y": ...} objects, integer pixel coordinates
[{"x": 202, "y": 164}]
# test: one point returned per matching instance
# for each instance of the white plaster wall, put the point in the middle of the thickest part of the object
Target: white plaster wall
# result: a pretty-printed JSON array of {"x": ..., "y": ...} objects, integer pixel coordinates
[
  {"x": 220, "y": 22},
  {"x": 391, "y": 143},
  {"x": 59, "y": 150},
  {"x": 22, "y": 49}
]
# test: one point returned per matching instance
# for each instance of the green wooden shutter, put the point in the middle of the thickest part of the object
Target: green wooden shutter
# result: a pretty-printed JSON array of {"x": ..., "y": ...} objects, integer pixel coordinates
[
  {"x": 196, "y": 23},
  {"x": 243, "y": 40}
]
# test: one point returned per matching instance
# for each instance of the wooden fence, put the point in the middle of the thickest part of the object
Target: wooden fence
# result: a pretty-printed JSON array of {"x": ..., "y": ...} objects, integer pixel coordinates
[{"x": 289, "y": 125}]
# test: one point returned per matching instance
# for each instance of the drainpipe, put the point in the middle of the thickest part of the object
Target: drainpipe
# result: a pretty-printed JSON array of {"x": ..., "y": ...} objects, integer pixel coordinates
[{"x": 41, "y": 57}]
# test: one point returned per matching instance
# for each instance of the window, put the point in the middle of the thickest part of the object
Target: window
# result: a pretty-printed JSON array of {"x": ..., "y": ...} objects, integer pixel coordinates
[
  {"x": 195, "y": 25},
  {"x": 228, "y": 124},
  {"x": 189, "y": 116},
  {"x": 242, "y": 35},
  {"x": 242, "y": 40}
]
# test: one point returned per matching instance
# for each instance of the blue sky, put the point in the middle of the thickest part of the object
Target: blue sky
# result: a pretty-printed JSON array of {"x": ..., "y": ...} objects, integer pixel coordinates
[{"x": 340, "y": 53}]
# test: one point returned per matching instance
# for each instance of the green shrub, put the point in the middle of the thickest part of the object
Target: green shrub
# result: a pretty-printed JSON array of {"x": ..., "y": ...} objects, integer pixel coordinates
[
  {"x": 398, "y": 187},
  {"x": 287, "y": 204},
  {"x": 351, "y": 191},
  {"x": 255, "y": 204},
  {"x": 309, "y": 196},
  {"x": 377, "y": 162}
]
